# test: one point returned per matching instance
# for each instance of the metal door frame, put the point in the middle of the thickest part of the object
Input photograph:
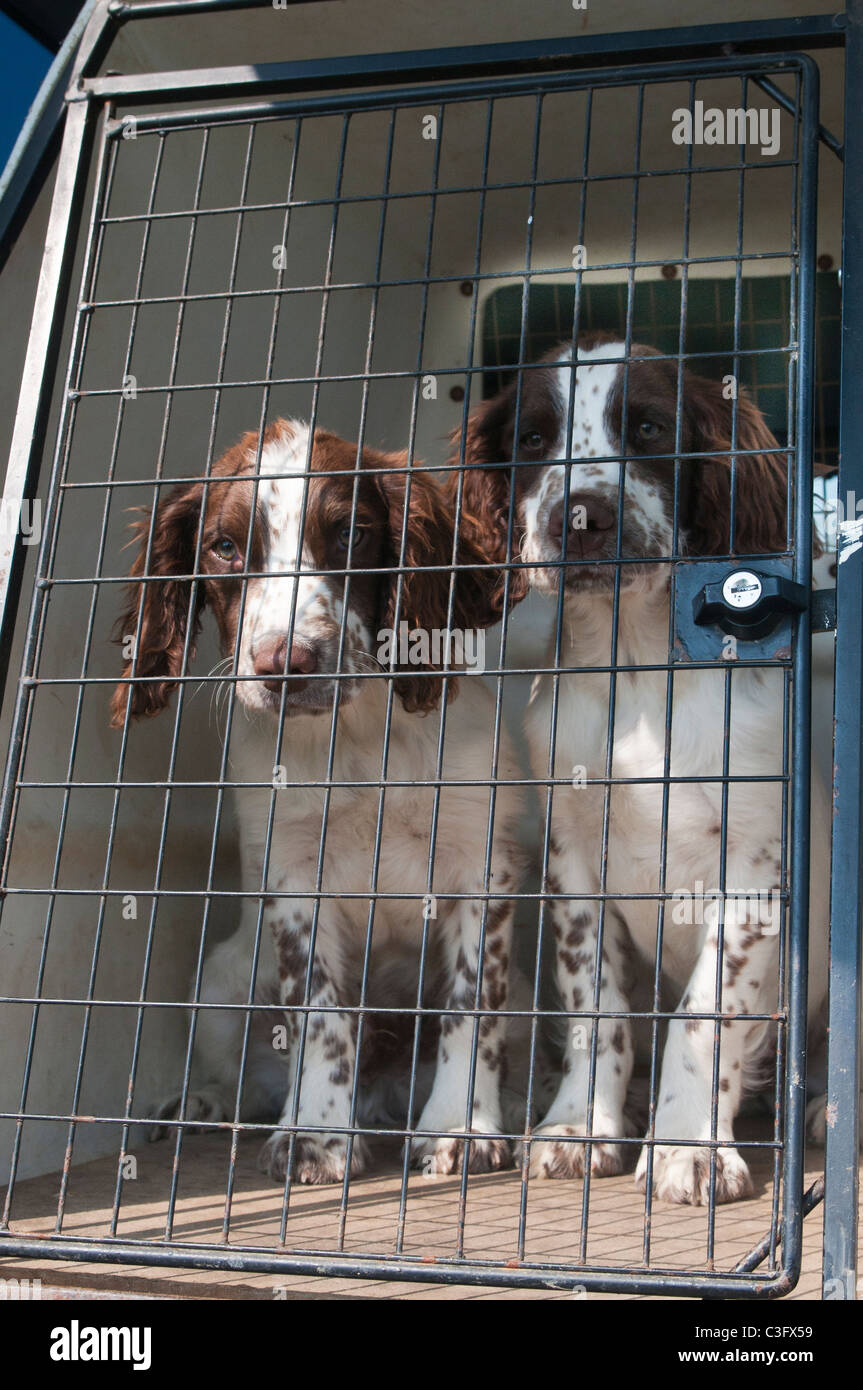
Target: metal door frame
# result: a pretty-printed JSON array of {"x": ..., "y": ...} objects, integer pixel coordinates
[{"x": 91, "y": 97}]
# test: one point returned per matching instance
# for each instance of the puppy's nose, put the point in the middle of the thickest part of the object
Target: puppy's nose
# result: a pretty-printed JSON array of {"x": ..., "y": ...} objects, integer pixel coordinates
[
  {"x": 271, "y": 659},
  {"x": 591, "y": 520}
]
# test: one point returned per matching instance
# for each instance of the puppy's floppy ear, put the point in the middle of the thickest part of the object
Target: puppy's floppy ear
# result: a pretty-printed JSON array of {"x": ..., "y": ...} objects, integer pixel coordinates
[
  {"x": 485, "y": 501},
  {"x": 424, "y": 596},
  {"x": 760, "y": 478},
  {"x": 162, "y": 607}
]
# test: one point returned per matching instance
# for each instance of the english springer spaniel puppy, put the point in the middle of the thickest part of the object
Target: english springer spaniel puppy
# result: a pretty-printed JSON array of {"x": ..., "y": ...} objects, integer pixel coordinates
[
  {"x": 602, "y": 528},
  {"x": 398, "y": 810}
]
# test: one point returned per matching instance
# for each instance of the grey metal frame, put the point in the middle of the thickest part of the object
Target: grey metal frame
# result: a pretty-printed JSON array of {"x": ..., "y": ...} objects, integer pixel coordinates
[
  {"x": 841, "y": 1201},
  {"x": 496, "y": 68}
]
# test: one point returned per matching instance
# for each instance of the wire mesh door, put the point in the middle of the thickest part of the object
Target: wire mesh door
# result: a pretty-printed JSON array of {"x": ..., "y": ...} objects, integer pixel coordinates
[{"x": 321, "y": 265}]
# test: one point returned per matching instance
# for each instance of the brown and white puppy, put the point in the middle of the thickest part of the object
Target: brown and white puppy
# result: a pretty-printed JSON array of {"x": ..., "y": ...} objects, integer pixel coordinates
[
  {"x": 683, "y": 872},
  {"x": 307, "y": 556}
]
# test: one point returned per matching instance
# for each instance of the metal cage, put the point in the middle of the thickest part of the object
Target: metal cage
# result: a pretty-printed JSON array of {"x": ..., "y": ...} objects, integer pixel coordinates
[{"x": 146, "y": 182}]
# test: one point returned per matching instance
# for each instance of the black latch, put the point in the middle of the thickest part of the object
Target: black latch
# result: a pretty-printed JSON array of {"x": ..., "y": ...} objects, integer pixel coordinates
[
  {"x": 718, "y": 606},
  {"x": 822, "y": 610},
  {"x": 747, "y": 604}
]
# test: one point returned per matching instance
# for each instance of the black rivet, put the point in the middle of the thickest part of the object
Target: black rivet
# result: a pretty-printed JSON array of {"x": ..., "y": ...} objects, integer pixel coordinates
[
  {"x": 825, "y": 262},
  {"x": 669, "y": 272},
  {"x": 456, "y": 393},
  {"x": 466, "y": 287}
]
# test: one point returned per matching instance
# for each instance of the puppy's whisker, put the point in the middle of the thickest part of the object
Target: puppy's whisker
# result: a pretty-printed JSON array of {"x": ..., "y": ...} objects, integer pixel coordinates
[
  {"x": 212, "y": 672},
  {"x": 220, "y": 666},
  {"x": 366, "y": 661}
]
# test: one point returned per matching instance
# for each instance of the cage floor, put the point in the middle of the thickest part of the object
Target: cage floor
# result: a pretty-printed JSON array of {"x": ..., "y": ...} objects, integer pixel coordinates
[{"x": 554, "y": 1221}]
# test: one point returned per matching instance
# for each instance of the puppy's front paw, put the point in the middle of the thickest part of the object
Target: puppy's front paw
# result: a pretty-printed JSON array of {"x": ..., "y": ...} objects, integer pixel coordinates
[
  {"x": 317, "y": 1158},
  {"x": 555, "y": 1154},
  {"x": 487, "y": 1155},
  {"x": 206, "y": 1106},
  {"x": 682, "y": 1174}
]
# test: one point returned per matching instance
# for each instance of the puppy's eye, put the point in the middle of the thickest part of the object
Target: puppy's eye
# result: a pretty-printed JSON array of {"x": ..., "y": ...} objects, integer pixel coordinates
[
  {"x": 225, "y": 549},
  {"x": 343, "y": 538},
  {"x": 531, "y": 439},
  {"x": 648, "y": 429}
]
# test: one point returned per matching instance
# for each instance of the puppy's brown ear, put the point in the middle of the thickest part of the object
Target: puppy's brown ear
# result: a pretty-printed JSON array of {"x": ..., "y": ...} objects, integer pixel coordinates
[
  {"x": 760, "y": 478},
  {"x": 162, "y": 608},
  {"x": 423, "y": 600},
  {"x": 486, "y": 491}
]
